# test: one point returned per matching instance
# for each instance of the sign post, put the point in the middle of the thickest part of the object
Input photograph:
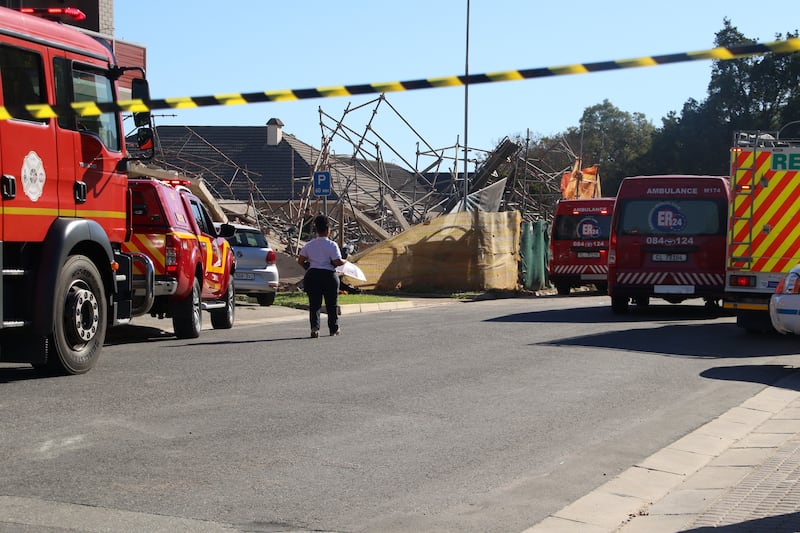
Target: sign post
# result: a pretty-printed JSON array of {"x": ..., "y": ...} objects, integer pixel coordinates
[{"x": 322, "y": 187}]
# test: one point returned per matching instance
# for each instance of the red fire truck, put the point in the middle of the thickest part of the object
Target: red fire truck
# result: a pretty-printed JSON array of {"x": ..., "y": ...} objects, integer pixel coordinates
[{"x": 64, "y": 203}]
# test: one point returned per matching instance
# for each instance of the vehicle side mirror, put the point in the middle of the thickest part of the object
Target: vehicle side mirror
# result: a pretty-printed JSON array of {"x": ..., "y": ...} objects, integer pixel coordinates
[
  {"x": 140, "y": 90},
  {"x": 144, "y": 139},
  {"x": 227, "y": 230}
]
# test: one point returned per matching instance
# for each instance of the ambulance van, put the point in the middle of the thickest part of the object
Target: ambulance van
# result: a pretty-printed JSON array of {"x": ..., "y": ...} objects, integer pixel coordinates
[
  {"x": 668, "y": 240},
  {"x": 579, "y": 243}
]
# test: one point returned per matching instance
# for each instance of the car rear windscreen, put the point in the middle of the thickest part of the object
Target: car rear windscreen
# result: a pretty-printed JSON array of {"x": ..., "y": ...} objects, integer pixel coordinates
[
  {"x": 696, "y": 216},
  {"x": 589, "y": 226},
  {"x": 249, "y": 239}
]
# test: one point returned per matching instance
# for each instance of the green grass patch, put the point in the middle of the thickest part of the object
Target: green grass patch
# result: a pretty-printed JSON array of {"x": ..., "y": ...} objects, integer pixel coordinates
[{"x": 298, "y": 299}]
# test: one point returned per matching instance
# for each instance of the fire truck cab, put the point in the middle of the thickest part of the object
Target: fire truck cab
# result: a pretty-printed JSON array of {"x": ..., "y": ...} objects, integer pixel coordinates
[{"x": 64, "y": 208}]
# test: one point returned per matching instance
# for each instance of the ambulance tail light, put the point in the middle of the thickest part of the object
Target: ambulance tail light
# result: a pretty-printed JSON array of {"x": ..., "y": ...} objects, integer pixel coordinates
[
  {"x": 171, "y": 254},
  {"x": 271, "y": 258},
  {"x": 612, "y": 249}
]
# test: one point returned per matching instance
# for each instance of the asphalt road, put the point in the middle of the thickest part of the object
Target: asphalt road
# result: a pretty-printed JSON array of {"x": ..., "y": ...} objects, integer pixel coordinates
[{"x": 481, "y": 416}]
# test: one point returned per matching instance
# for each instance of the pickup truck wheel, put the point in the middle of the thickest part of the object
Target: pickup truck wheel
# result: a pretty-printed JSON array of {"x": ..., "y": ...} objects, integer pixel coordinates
[
  {"x": 79, "y": 325},
  {"x": 187, "y": 320},
  {"x": 265, "y": 299},
  {"x": 223, "y": 318}
]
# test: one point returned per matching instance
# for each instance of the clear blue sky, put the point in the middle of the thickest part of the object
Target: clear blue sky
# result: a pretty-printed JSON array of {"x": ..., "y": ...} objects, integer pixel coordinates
[{"x": 199, "y": 48}]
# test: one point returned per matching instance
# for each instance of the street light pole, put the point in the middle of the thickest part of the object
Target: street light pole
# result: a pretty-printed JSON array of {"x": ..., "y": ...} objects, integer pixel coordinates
[{"x": 466, "y": 114}]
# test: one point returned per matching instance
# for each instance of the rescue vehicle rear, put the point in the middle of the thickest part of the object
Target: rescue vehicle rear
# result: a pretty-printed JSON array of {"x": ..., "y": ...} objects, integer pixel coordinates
[
  {"x": 579, "y": 243},
  {"x": 668, "y": 238},
  {"x": 764, "y": 231},
  {"x": 193, "y": 263}
]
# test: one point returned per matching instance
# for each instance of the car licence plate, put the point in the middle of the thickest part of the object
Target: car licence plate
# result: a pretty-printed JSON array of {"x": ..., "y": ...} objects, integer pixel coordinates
[
  {"x": 669, "y": 258},
  {"x": 587, "y": 255},
  {"x": 243, "y": 275}
]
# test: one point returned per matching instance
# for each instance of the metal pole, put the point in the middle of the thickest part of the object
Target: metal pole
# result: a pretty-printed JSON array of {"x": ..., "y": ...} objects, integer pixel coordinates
[{"x": 466, "y": 113}]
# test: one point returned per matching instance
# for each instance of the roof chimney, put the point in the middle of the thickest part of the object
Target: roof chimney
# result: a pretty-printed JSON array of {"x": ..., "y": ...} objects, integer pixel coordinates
[{"x": 274, "y": 132}]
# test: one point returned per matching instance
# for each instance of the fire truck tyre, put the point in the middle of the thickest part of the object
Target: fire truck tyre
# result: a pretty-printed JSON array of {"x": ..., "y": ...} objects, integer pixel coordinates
[
  {"x": 223, "y": 317},
  {"x": 642, "y": 301},
  {"x": 563, "y": 290},
  {"x": 601, "y": 287},
  {"x": 187, "y": 319},
  {"x": 619, "y": 304},
  {"x": 79, "y": 325},
  {"x": 265, "y": 299}
]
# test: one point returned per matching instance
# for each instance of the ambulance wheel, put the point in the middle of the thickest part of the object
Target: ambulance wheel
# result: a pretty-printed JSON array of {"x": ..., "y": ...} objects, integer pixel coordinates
[
  {"x": 187, "y": 320},
  {"x": 563, "y": 290},
  {"x": 601, "y": 287},
  {"x": 80, "y": 321},
  {"x": 619, "y": 304},
  {"x": 223, "y": 317}
]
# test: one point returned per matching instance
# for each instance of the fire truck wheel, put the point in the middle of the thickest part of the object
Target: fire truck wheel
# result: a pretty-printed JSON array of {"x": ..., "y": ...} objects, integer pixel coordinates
[
  {"x": 563, "y": 290},
  {"x": 619, "y": 305},
  {"x": 223, "y": 318},
  {"x": 79, "y": 326},
  {"x": 642, "y": 301},
  {"x": 187, "y": 319}
]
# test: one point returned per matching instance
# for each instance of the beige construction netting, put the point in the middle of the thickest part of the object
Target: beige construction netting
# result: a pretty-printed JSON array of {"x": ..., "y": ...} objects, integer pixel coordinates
[{"x": 461, "y": 251}]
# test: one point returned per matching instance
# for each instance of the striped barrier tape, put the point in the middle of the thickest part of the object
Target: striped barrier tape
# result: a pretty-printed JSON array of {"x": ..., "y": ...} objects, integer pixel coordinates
[{"x": 722, "y": 53}]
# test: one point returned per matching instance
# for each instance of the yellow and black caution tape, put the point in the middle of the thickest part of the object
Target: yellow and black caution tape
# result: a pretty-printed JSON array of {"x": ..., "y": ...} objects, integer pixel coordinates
[{"x": 722, "y": 53}]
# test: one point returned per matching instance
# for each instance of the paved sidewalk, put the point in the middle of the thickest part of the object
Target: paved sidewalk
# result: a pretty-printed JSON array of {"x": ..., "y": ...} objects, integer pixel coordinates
[{"x": 740, "y": 472}]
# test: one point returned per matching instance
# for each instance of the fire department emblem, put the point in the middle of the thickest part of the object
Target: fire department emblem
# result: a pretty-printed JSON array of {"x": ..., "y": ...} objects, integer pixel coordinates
[{"x": 33, "y": 176}]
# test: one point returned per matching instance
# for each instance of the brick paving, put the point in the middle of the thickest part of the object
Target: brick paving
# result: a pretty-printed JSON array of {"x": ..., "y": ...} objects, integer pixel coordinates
[{"x": 767, "y": 499}]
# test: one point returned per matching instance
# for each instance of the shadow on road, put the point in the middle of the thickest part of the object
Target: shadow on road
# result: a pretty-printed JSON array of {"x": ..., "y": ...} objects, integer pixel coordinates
[
  {"x": 782, "y": 523},
  {"x": 712, "y": 340},
  {"x": 765, "y": 374},
  {"x": 704, "y": 336},
  {"x": 591, "y": 315}
]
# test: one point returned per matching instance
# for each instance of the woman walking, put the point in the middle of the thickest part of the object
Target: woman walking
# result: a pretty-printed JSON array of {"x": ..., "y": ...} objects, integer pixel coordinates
[{"x": 320, "y": 257}]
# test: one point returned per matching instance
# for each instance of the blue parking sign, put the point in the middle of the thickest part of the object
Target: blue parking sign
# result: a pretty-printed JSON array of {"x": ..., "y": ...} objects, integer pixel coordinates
[{"x": 322, "y": 183}]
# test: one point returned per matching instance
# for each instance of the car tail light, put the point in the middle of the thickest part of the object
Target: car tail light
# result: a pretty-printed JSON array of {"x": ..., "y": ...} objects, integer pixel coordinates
[
  {"x": 789, "y": 285},
  {"x": 271, "y": 257},
  {"x": 171, "y": 254}
]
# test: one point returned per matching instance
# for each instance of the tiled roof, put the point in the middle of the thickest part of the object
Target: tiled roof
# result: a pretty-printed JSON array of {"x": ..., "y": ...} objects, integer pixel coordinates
[{"x": 229, "y": 158}]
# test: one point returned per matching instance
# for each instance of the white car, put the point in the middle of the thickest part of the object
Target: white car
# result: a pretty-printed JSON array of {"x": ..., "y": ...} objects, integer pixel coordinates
[
  {"x": 256, "y": 271},
  {"x": 784, "y": 305}
]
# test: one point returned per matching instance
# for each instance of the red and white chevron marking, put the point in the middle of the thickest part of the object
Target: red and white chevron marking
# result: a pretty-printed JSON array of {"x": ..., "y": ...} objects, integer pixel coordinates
[
  {"x": 667, "y": 278},
  {"x": 580, "y": 269}
]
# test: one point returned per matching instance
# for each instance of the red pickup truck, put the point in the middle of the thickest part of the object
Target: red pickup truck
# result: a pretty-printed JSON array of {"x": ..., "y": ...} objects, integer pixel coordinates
[{"x": 193, "y": 263}]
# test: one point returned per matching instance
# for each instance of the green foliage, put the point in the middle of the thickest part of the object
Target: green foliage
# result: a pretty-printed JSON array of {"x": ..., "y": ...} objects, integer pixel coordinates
[
  {"x": 757, "y": 92},
  {"x": 299, "y": 299}
]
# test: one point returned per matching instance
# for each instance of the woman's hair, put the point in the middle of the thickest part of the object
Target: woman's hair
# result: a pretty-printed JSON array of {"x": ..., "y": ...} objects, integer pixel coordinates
[{"x": 321, "y": 224}]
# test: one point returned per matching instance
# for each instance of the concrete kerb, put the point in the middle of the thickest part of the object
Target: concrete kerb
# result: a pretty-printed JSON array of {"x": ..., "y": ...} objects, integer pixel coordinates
[
  {"x": 254, "y": 314},
  {"x": 675, "y": 485}
]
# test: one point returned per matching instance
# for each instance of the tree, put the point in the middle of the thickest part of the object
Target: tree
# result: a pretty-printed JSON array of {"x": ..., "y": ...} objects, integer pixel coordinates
[{"x": 614, "y": 139}]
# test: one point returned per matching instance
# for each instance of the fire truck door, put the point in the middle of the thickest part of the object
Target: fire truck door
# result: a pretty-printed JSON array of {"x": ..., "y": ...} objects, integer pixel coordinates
[{"x": 28, "y": 152}]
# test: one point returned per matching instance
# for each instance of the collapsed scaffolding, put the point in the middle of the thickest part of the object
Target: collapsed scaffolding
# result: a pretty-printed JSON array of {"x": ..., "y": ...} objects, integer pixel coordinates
[{"x": 374, "y": 199}]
